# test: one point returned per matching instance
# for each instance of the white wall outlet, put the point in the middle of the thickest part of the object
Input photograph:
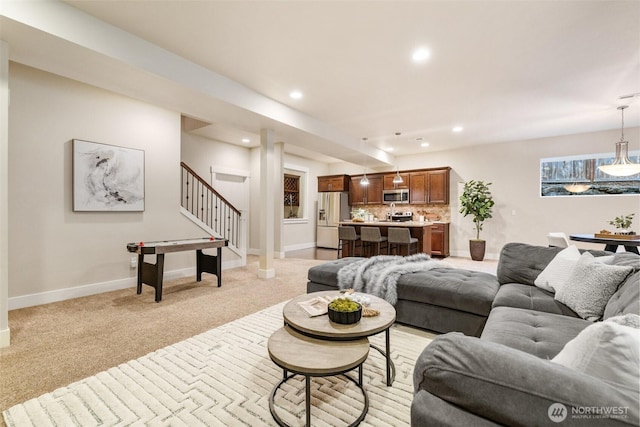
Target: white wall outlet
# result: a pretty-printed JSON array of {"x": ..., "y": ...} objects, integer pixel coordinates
[{"x": 134, "y": 261}]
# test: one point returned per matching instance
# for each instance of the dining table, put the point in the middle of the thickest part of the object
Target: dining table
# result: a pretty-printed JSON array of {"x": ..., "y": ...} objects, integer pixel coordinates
[{"x": 611, "y": 243}]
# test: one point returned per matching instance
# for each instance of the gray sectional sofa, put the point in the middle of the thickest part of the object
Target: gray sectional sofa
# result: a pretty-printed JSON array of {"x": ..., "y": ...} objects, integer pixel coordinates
[
  {"x": 492, "y": 365},
  {"x": 440, "y": 299},
  {"x": 506, "y": 377}
]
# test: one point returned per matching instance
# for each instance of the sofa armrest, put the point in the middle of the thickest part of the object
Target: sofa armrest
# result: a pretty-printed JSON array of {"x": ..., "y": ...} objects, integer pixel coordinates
[{"x": 512, "y": 387}]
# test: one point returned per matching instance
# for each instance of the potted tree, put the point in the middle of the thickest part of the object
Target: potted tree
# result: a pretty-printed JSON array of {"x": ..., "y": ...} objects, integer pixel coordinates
[{"x": 476, "y": 200}]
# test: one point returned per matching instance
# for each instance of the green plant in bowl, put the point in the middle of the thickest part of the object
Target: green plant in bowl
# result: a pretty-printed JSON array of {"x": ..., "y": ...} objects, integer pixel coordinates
[
  {"x": 343, "y": 304},
  {"x": 344, "y": 311}
]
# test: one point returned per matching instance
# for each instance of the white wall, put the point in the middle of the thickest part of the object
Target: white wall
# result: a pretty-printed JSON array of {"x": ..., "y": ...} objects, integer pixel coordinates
[
  {"x": 302, "y": 234},
  {"x": 202, "y": 154},
  {"x": 53, "y": 248},
  {"x": 520, "y": 214}
]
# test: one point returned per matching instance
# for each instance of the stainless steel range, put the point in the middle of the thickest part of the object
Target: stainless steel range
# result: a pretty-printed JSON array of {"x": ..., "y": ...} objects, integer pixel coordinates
[{"x": 400, "y": 216}]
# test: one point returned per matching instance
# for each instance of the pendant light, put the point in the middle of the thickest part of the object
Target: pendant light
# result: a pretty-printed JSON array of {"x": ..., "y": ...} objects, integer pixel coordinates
[
  {"x": 397, "y": 179},
  {"x": 622, "y": 166},
  {"x": 364, "y": 180}
]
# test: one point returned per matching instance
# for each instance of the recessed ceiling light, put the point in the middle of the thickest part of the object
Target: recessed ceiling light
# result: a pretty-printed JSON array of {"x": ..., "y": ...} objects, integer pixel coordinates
[
  {"x": 457, "y": 129},
  {"x": 246, "y": 140},
  {"x": 424, "y": 144},
  {"x": 420, "y": 55},
  {"x": 296, "y": 94}
]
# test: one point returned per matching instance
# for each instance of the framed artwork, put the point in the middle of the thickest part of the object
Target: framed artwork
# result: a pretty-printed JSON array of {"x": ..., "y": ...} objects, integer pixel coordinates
[{"x": 107, "y": 178}]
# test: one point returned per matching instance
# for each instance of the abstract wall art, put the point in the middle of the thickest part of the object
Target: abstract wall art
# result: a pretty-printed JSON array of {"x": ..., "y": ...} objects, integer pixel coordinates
[{"x": 107, "y": 177}]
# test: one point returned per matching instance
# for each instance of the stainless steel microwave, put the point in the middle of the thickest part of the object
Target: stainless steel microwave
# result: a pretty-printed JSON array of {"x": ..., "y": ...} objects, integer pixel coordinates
[{"x": 400, "y": 195}]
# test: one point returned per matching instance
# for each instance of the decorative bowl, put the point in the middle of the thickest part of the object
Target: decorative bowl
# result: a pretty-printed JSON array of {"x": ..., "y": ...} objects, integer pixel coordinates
[{"x": 345, "y": 317}]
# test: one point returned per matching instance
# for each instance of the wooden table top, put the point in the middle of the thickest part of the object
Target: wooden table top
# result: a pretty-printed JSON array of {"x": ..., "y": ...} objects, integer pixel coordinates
[
  {"x": 166, "y": 246},
  {"x": 299, "y": 353},
  {"x": 321, "y": 326}
]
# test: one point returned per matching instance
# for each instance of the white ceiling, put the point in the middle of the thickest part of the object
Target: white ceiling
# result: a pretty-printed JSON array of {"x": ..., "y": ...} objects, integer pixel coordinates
[{"x": 504, "y": 70}]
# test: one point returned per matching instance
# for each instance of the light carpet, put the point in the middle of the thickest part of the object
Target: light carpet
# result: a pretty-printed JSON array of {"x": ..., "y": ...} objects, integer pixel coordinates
[{"x": 224, "y": 377}]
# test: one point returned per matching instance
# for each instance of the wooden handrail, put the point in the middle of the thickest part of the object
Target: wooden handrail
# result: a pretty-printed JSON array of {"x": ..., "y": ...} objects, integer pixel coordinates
[{"x": 208, "y": 187}]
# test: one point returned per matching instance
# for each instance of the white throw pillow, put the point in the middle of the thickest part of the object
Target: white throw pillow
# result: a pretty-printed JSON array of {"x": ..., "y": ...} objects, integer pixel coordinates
[
  {"x": 590, "y": 286},
  {"x": 630, "y": 319},
  {"x": 605, "y": 350},
  {"x": 558, "y": 270}
]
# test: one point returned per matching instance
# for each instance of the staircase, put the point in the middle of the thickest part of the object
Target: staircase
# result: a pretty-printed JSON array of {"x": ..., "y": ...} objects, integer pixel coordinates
[{"x": 211, "y": 211}]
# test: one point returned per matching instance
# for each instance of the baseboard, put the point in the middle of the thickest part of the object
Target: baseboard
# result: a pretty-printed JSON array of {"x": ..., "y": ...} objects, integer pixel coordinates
[
  {"x": 465, "y": 254},
  {"x": 98, "y": 288},
  {"x": 300, "y": 246},
  {"x": 5, "y": 338}
]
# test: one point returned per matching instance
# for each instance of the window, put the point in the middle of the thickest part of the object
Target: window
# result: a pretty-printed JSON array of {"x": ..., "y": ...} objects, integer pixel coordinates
[{"x": 580, "y": 176}]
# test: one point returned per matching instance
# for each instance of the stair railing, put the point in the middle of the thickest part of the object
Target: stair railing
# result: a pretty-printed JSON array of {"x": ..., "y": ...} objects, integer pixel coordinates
[{"x": 209, "y": 206}]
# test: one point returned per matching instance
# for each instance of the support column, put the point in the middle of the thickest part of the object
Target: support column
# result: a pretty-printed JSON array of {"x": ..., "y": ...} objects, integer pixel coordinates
[
  {"x": 5, "y": 335},
  {"x": 267, "y": 204},
  {"x": 278, "y": 195}
]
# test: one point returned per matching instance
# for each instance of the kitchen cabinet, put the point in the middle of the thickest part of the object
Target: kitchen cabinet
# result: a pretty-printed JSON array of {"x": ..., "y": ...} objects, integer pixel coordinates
[
  {"x": 440, "y": 240},
  {"x": 429, "y": 187},
  {"x": 418, "y": 188},
  {"x": 333, "y": 183},
  {"x": 438, "y": 187},
  {"x": 366, "y": 194},
  {"x": 388, "y": 181}
]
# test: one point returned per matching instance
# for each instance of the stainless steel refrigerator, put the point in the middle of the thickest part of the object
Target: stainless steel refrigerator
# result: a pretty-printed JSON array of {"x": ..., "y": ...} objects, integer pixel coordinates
[{"x": 332, "y": 208}]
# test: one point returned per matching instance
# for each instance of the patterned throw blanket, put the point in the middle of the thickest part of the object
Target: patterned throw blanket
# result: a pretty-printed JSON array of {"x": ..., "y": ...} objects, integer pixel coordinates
[{"x": 379, "y": 275}]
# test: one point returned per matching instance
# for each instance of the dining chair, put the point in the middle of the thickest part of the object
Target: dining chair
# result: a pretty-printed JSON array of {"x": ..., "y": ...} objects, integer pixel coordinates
[
  {"x": 558, "y": 240},
  {"x": 400, "y": 236},
  {"x": 347, "y": 234},
  {"x": 371, "y": 237}
]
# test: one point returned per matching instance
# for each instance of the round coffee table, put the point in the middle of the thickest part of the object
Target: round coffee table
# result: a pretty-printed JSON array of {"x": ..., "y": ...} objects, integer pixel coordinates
[
  {"x": 312, "y": 357},
  {"x": 321, "y": 327}
]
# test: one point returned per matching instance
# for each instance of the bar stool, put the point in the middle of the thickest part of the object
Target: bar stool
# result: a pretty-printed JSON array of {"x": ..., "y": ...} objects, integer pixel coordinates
[
  {"x": 401, "y": 236},
  {"x": 371, "y": 235},
  {"x": 348, "y": 234}
]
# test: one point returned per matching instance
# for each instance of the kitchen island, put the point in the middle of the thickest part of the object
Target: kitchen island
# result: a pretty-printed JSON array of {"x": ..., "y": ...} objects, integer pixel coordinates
[{"x": 419, "y": 229}]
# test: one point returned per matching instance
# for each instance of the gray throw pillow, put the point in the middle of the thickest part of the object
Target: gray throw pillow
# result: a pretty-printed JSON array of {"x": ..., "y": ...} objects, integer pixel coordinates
[{"x": 590, "y": 286}]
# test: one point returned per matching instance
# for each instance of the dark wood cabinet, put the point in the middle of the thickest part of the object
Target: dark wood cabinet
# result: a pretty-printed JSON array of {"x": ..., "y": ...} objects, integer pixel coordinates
[
  {"x": 440, "y": 240},
  {"x": 429, "y": 187},
  {"x": 365, "y": 194},
  {"x": 388, "y": 181},
  {"x": 356, "y": 191},
  {"x": 438, "y": 187},
  {"x": 426, "y": 186},
  {"x": 418, "y": 188},
  {"x": 333, "y": 183}
]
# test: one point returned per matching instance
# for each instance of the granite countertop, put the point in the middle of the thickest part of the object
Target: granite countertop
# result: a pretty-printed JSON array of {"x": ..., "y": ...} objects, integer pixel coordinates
[{"x": 393, "y": 223}]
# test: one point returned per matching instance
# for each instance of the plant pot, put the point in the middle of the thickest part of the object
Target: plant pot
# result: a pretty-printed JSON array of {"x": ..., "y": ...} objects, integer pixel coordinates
[
  {"x": 476, "y": 248},
  {"x": 345, "y": 317}
]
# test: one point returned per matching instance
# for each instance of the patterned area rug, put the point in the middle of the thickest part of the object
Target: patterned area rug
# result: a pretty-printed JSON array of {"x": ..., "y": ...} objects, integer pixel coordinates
[{"x": 224, "y": 377}]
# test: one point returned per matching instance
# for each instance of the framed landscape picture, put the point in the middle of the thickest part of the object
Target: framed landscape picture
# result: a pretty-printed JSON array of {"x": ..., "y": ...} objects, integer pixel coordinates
[{"x": 107, "y": 177}]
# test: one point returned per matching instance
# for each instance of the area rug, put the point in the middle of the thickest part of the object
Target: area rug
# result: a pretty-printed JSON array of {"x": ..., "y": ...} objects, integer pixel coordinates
[{"x": 224, "y": 377}]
